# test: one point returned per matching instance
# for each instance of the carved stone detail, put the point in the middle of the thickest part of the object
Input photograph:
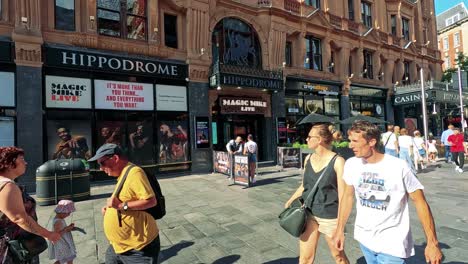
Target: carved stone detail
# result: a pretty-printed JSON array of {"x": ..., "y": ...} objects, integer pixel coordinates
[
  {"x": 85, "y": 40},
  {"x": 28, "y": 54},
  {"x": 198, "y": 74}
]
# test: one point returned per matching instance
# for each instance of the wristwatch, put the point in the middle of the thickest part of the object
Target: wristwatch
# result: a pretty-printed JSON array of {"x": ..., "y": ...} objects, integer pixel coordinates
[{"x": 125, "y": 206}]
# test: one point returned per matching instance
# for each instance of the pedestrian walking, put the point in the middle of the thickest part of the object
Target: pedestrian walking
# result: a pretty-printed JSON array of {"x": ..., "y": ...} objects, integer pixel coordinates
[
  {"x": 432, "y": 149},
  {"x": 446, "y": 143},
  {"x": 382, "y": 185},
  {"x": 457, "y": 148},
  {"x": 133, "y": 233},
  {"x": 250, "y": 149},
  {"x": 64, "y": 251},
  {"x": 18, "y": 218},
  {"x": 390, "y": 142},
  {"x": 419, "y": 150},
  {"x": 322, "y": 210},
  {"x": 406, "y": 148}
]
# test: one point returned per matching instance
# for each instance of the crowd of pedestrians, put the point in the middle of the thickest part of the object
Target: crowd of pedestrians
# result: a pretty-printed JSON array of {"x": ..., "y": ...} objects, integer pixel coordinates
[{"x": 381, "y": 184}]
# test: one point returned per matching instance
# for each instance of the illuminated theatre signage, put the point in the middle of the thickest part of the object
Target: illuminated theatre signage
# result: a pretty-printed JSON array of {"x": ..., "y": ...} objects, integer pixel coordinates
[
  {"x": 112, "y": 63},
  {"x": 243, "y": 105}
]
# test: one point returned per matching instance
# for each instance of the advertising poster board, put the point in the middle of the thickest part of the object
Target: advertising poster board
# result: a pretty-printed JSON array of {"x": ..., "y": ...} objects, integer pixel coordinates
[
  {"x": 111, "y": 132},
  {"x": 66, "y": 92},
  {"x": 140, "y": 142},
  {"x": 289, "y": 157},
  {"x": 117, "y": 95},
  {"x": 241, "y": 170},
  {"x": 282, "y": 130},
  {"x": 171, "y": 98},
  {"x": 173, "y": 141},
  {"x": 222, "y": 162},
  {"x": 202, "y": 135},
  {"x": 68, "y": 139}
]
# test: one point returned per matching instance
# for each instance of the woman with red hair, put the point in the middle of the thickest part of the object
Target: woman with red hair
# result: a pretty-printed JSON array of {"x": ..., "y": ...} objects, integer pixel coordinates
[{"x": 14, "y": 217}]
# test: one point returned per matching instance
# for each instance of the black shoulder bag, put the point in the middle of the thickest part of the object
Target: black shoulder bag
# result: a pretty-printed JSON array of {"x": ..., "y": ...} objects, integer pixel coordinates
[{"x": 294, "y": 218}]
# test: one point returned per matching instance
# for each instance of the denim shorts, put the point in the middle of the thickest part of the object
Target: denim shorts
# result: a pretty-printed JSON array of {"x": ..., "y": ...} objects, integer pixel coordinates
[{"x": 373, "y": 257}]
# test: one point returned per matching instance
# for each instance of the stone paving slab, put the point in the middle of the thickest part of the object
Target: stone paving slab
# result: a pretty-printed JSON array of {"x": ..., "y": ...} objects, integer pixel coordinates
[{"x": 209, "y": 221}]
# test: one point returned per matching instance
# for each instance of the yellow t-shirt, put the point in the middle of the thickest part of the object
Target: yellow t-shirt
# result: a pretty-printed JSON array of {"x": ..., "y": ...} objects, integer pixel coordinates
[{"x": 138, "y": 227}]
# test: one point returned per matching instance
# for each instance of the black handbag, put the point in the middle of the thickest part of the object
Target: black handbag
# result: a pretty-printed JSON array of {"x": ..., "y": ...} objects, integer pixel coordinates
[
  {"x": 294, "y": 218},
  {"x": 24, "y": 248}
]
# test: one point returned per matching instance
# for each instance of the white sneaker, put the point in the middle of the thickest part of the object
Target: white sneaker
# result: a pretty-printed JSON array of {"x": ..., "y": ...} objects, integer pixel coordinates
[
  {"x": 460, "y": 170},
  {"x": 457, "y": 168}
]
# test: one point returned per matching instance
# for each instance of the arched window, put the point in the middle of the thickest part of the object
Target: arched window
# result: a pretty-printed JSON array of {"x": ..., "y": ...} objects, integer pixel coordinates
[{"x": 236, "y": 43}]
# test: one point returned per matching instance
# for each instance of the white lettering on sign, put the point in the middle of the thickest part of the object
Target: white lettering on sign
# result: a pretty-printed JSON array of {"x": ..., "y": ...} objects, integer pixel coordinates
[
  {"x": 123, "y": 95},
  {"x": 115, "y": 63}
]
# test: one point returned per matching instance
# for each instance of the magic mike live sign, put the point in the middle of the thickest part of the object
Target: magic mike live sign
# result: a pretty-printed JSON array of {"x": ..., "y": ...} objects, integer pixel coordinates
[
  {"x": 234, "y": 105},
  {"x": 111, "y": 63}
]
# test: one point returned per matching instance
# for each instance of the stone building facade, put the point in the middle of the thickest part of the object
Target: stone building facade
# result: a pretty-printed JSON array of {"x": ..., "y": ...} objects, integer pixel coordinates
[{"x": 193, "y": 74}]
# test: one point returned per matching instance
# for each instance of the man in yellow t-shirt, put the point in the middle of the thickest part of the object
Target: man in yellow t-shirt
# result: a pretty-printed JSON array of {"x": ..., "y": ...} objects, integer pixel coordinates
[{"x": 133, "y": 235}]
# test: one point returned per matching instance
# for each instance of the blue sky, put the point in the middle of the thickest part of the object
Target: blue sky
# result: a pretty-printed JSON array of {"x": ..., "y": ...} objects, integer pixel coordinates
[{"x": 442, "y": 5}]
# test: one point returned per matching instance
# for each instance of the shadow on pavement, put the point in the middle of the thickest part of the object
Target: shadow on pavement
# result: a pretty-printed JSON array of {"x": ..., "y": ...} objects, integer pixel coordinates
[
  {"x": 227, "y": 260},
  {"x": 261, "y": 182},
  {"x": 173, "y": 250},
  {"x": 361, "y": 260},
  {"x": 283, "y": 261}
]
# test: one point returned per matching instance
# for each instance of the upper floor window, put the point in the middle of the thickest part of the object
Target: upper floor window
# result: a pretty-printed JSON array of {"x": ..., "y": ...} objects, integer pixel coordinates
[
  {"x": 406, "y": 72},
  {"x": 368, "y": 69},
  {"x": 331, "y": 66},
  {"x": 122, "y": 18},
  {"x": 314, "y": 3},
  {"x": 449, "y": 21},
  {"x": 236, "y": 43},
  {"x": 405, "y": 31},
  {"x": 447, "y": 62},
  {"x": 313, "y": 53},
  {"x": 456, "y": 39},
  {"x": 288, "y": 54},
  {"x": 170, "y": 31},
  {"x": 393, "y": 21},
  {"x": 446, "y": 44},
  {"x": 366, "y": 14},
  {"x": 351, "y": 9},
  {"x": 64, "y": 15}
]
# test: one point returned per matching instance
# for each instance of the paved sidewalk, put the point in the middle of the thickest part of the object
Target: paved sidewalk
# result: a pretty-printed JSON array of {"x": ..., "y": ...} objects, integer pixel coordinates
[{"x": 211, "y": 222}]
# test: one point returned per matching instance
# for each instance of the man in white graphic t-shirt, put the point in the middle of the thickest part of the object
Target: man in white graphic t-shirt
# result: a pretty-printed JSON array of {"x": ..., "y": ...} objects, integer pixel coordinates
[{"x": 382, "y": 184}]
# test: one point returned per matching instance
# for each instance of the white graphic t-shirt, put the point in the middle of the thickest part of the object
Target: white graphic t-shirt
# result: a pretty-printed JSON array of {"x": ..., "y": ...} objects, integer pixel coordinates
[{"x": 381, "y": 190}]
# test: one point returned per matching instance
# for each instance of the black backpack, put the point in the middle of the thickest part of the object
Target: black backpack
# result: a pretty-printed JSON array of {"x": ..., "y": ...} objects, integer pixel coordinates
[{"x": 159, "y": 210}]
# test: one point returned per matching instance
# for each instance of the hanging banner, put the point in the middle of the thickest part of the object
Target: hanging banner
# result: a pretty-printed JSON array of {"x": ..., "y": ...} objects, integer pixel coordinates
[
  {"x": 222, "y": 162},
  {"x": 123, "y": 95},
  {"x": 66, "y": 92},
  {"x": 241, "y": 170},
  {"x": 171, "y": 98},
  {"x": 289, "y": 157},
  {"x": 7, "y": 89},
  {"x": 282, "y": 130}
]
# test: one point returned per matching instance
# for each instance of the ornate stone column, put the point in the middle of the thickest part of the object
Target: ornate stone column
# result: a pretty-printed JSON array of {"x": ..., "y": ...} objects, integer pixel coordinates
[{"x": 29, "y": 129}]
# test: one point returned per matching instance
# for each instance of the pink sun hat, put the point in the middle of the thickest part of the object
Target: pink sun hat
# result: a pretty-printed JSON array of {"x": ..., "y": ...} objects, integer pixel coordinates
[{"x": 65, "y": 207}]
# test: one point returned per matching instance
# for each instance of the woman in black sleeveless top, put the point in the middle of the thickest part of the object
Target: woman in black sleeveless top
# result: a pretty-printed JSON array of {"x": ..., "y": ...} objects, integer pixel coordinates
[{"x": 323, "y": 208}]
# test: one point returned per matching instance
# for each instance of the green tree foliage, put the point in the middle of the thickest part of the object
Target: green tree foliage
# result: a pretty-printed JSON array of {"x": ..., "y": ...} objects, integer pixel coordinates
[{"x": 461, "y": 60}]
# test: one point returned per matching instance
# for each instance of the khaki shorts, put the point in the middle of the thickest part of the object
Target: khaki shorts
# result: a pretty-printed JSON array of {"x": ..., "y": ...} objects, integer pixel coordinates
[{"x": 325, "y": 226}]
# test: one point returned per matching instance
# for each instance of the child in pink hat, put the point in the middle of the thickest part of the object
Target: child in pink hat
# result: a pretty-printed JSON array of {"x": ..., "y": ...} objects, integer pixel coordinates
[{"x": 64, "y": 251}]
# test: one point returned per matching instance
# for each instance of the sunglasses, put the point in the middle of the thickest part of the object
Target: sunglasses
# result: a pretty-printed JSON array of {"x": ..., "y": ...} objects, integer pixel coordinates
[{"x": 101, "y": 163}]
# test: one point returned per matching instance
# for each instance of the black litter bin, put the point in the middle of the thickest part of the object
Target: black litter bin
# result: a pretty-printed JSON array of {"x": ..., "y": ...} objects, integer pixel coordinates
[{"x": 62, "y": 179}]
